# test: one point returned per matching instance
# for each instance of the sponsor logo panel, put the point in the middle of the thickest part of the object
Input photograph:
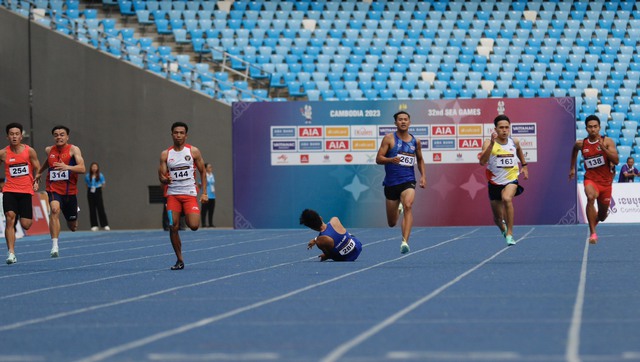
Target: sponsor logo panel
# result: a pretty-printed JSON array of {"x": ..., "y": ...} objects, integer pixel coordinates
[{"x": 283, "y": 132}]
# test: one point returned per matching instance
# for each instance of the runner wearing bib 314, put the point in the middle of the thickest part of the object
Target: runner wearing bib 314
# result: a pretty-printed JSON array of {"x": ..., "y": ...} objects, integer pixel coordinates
[{"x": 64, "y": 163}]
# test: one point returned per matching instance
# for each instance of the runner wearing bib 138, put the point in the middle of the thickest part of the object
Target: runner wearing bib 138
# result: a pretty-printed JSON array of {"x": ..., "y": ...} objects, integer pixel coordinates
[{"x": 600, "y": 157}]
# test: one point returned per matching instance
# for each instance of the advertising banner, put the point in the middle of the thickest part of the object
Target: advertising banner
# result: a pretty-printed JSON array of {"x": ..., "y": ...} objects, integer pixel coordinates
[
  {"x": 624, "y": 207},
  {"x": 40, "y": 223},
  {"x": 289, "y": 156}
]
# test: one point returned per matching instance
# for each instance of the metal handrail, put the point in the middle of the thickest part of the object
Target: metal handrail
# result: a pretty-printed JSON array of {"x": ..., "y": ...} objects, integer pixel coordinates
[{"x": 191, "y": 80}]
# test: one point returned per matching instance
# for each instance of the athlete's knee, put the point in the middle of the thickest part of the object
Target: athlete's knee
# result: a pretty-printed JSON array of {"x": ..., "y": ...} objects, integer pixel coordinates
[
  {"x": 26, "y": 223},
  {"x": 73, "y": 226},
  {"x": 591, "y": 198},
  {"x": 603, "y": 212}
]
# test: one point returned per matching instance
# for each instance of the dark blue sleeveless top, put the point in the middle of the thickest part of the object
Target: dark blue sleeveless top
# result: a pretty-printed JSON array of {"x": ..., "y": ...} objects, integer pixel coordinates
[
  {"x": 397, "y": 174},
  {"x": 345, "y": 246}
]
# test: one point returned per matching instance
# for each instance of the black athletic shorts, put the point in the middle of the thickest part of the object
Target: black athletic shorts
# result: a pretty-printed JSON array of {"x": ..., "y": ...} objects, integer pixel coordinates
[
  {"x": 393, "y": 192},
  {"x": 68, "y": 205},
  {"x": 495, "y": 191},
  {"x": 19, "y": 203}
]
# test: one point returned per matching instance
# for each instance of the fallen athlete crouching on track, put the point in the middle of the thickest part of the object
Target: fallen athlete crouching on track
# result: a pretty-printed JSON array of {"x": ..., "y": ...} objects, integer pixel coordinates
[{"x": 334, "y": 240}]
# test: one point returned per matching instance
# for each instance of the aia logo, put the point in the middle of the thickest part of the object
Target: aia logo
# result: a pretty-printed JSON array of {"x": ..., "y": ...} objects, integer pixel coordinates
[
  {"x": 443, "y": 130},
  {"x": 337, "y": 145},
  {"x": 310, "y": 131}
]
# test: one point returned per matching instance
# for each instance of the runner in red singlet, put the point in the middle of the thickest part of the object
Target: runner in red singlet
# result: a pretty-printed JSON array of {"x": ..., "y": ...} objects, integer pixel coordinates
[
  {"x": 21, "y": 162},
  {"x": 64, "y": 162},
  {"x": 600, "y": 156}
]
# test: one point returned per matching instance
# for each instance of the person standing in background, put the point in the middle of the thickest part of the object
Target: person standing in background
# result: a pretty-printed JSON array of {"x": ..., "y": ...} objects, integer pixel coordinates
[
  {"x": 209, "y": 207},
  {"x": 20, "y": 163},
  {"x": 95, "y": 182},
  {"x": 64, "y": 163},
  {"x": 628, "y": 172}
]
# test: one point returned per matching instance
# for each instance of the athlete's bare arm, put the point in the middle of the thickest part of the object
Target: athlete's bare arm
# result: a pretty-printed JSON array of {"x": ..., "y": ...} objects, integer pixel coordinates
[
  {"x": 45, "y": 165},
  {"x": 609, "y": 147},
  {"x": 163, "y": 171},
  {"x": 523, "y": 161},
  {"x": 78, "y": 167},
  {"x": 574, "y": 157},
  {"x": 197, "y": 158},
  {"x": 33, "y": 157},
  {"x": 325, "y": 244},
  {"x": 385, "y": 146},
  {"x": 420, "y": 162}
]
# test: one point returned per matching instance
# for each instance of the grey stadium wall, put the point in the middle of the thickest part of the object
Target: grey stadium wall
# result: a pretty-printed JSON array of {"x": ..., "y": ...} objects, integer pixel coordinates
[{"x": 119, "y": 115}]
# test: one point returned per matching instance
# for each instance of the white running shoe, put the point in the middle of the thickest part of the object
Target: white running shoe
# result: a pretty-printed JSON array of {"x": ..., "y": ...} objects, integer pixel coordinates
[
  {"x": 107, "y": 228},
  {"x": 400, "y": 209},
  {"x": 94, "y": 228},
  {"x": 404, "y": 247},
  {"x": 11, "y": 258},
  {"x": 54, "y": 252}
]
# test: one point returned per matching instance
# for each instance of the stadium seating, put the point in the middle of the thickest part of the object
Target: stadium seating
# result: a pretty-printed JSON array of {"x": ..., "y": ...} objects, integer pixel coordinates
[{"x": 342, "y": 50}]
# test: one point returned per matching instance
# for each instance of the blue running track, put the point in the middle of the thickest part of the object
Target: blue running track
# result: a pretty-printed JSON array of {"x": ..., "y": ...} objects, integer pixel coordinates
[{"x": 260, "y": 295}]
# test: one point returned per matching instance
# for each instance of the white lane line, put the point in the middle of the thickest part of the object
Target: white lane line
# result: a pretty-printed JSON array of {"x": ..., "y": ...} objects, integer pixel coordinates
[
  {"x": 127, "y": 260},
  {"x": 62, "y": 286},
  {"x": 21, "y": 358},
  {"x": 206, "y": 321},
  {"x": 260, "y": 356},
  {"x": 347, "y": 346},
  {"x": 572, "y": 353},
  {"x": 455, "y": 356},
  {"x": 122, "y": 301}
]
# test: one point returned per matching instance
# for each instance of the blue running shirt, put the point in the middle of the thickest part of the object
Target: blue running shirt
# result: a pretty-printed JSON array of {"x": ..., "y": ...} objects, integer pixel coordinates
[{"x": 403, "y": 172}]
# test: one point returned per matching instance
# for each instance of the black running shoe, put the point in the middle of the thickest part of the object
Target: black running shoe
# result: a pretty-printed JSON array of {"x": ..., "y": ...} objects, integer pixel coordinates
[{"x": 178, "y": 266}]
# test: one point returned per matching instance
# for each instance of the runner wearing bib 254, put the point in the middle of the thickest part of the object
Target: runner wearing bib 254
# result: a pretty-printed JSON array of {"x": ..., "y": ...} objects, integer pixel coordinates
[{"x": 20, "y": 164}]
